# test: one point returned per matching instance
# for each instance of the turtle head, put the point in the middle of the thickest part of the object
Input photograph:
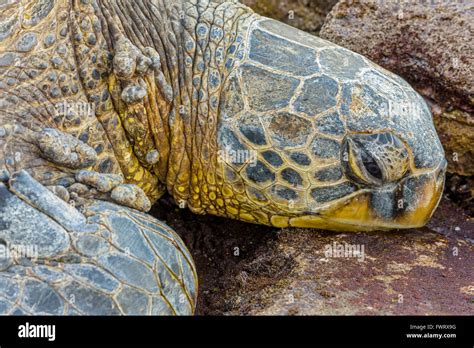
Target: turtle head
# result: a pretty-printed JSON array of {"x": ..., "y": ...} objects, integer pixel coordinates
[
  {"x": 390, "y": 167},
  {"x": 391, "y": 190},
  {"x": 321, "y": 137}
]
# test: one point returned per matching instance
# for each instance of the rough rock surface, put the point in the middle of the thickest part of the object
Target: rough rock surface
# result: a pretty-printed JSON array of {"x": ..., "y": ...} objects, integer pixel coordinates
[
  {"x": 251, "y": 270},
  {"x": 307, "y": 15},
  {"x": 430, "y": 45}
]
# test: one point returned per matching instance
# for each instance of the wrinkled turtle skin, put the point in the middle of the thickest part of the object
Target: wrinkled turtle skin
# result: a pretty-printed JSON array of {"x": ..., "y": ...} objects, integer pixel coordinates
[{"x": 106, "y": 105}]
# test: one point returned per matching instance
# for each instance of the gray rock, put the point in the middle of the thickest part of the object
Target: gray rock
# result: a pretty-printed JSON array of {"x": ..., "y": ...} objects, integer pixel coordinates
[{"x": 305, "y": 15}]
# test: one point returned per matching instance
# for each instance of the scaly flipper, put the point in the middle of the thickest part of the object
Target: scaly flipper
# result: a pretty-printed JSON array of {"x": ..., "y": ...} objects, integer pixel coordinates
[
  {"x": 104, "y": 260},
  {"x": 67, "y": 252}
]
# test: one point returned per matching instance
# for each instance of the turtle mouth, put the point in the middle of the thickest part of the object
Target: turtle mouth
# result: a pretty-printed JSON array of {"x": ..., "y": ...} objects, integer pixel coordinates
[{"x": 408, "y": 204}]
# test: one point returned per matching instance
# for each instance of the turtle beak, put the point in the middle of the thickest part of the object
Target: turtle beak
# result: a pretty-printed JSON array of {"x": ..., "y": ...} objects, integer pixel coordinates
[
  {"x": 409, "y": 204},
  {"x": 420, "y": 197}
]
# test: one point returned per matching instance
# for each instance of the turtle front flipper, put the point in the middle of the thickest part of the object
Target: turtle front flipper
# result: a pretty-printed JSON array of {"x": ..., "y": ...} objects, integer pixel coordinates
[{"x": 105, "y": 259}]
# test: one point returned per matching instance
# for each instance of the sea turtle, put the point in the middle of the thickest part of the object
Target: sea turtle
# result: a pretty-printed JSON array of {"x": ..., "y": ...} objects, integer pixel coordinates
[{"x": 105, "y": 105}]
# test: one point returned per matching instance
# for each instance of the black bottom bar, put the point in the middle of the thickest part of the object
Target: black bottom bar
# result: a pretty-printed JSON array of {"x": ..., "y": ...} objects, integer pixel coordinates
[{"x": 353, "y": 331}]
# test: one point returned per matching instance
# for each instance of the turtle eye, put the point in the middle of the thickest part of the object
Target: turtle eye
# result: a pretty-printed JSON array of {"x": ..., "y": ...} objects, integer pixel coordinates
[
  {"x": 372, "y": 167},
  {"x": 374, "y": 159},
  {"x": 359, "y": 165}
]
